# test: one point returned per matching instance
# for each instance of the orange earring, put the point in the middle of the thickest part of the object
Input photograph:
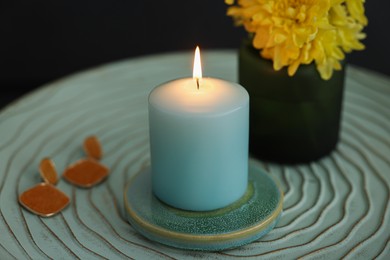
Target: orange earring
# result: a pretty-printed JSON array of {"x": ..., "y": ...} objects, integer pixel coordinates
[
  {"x": 88, "y": 172},
  {"x": 45, "y": 199}
]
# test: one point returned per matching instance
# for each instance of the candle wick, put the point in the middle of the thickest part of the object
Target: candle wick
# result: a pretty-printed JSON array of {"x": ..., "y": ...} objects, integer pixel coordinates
[{"x": 197, "y": 82}]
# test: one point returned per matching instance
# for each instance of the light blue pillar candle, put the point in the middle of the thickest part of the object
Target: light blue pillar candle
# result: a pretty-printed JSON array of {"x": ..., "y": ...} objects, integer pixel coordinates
[{"x": 199, "y": 143}]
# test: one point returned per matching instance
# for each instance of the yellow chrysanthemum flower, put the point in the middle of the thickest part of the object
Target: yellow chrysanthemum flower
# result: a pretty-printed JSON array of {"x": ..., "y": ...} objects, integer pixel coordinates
[{"x": 294, "y": 32}]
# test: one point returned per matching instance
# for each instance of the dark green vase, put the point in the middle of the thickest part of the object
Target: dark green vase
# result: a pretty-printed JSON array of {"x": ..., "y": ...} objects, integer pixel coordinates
[{"x": 292, "y": 119}]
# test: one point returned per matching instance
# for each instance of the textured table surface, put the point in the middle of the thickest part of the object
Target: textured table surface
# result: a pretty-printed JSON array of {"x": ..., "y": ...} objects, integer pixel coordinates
[{"x": 338, "y": 206}]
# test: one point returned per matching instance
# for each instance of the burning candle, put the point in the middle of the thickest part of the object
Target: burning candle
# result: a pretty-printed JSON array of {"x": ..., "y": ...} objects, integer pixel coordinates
[{"x": 199, "y": 141}]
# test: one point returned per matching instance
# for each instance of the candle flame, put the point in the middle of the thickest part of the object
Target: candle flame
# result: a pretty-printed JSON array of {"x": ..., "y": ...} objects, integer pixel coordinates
[{"x": 197, "y": 72}]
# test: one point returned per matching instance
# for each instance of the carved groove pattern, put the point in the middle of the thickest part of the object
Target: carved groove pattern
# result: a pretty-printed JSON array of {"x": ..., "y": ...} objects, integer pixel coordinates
[{"x": 334, "y": 208}]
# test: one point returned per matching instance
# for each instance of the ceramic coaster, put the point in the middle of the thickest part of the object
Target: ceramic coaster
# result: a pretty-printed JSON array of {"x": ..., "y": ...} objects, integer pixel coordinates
[{"x": 242, "y": 222}]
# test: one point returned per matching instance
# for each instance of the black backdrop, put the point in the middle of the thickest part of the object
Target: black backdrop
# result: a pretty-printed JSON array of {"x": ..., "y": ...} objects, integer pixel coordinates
[{"x": 42, "y": 40}]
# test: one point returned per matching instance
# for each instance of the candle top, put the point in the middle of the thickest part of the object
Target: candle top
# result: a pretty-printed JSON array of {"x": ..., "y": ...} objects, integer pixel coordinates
[{"x": 214, "y": 97}]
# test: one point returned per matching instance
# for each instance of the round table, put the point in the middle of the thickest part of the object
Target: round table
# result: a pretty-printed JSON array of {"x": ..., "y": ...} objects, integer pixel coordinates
[{"x": 336, "y": 207}]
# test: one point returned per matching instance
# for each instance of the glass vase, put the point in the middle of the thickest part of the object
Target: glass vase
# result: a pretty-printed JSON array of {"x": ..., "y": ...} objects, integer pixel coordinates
[{"x": 292, "y": 119}]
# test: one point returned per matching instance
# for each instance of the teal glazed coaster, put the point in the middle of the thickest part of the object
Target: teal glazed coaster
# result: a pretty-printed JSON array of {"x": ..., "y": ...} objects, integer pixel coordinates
[{"x": 242, "y": 222}]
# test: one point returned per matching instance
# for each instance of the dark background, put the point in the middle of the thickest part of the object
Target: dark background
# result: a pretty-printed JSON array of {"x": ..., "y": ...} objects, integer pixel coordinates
[{"x": 43, "y": 40}]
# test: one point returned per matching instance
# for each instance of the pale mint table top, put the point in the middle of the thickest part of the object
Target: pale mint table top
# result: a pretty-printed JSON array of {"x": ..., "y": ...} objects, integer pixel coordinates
[{"x": 336, "y": 207}]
